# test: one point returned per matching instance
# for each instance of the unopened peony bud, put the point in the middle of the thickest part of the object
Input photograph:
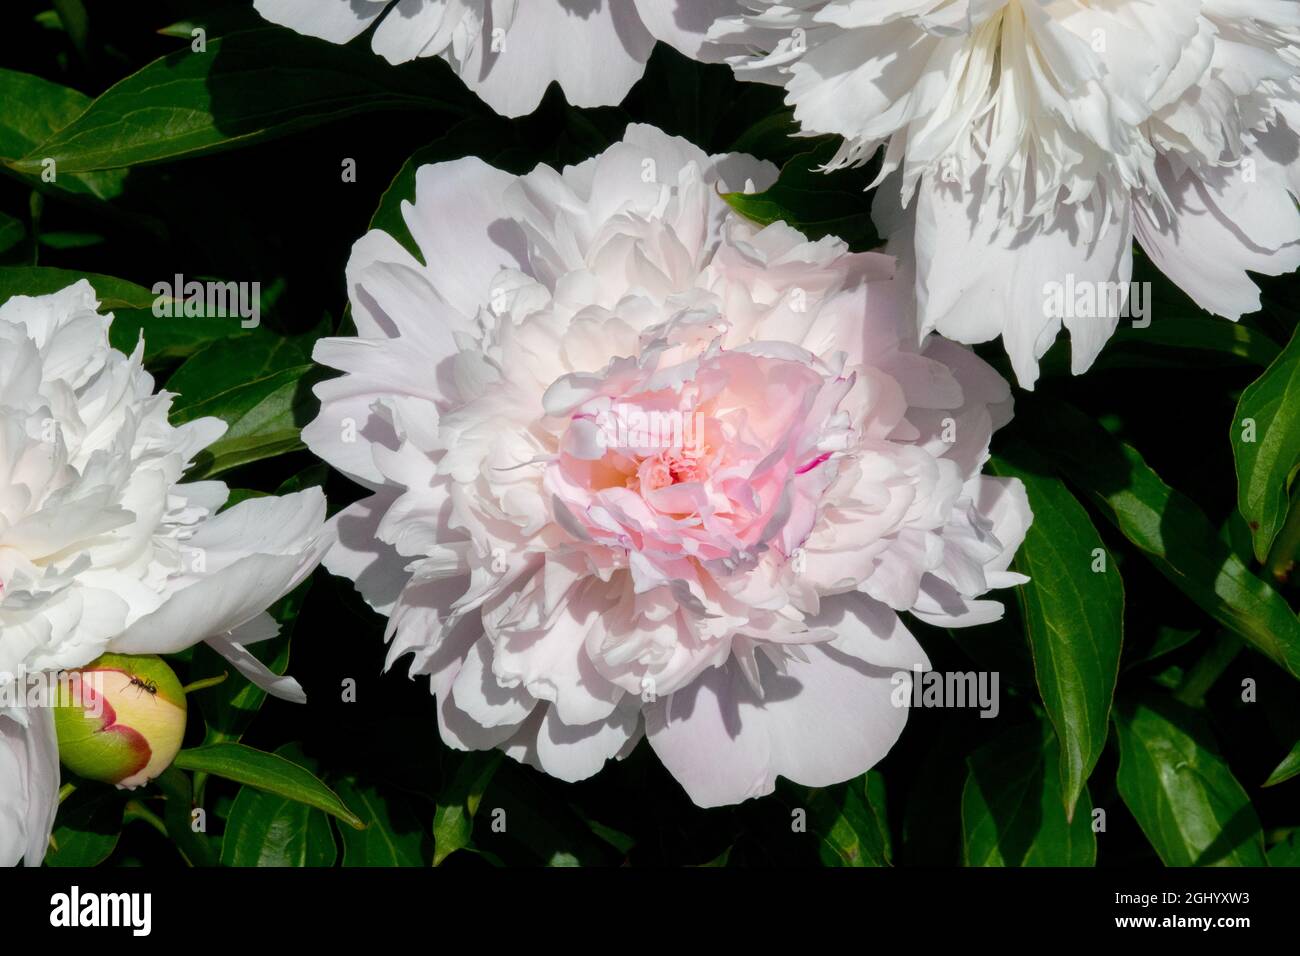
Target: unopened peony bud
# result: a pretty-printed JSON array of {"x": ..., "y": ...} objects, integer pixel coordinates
[{"x": 121, "y": 719}]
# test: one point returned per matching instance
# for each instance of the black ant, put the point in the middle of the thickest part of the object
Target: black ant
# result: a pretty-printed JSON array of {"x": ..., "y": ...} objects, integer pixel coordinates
[{"x": 147, "y": 686}]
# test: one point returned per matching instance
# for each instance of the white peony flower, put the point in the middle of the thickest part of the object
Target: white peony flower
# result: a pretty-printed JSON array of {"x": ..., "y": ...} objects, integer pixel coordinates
[
  {"x": 29, "y": 786},
  {"x": 509, "y": 51},
  {"x": 638, "y": 465},
  {"x": 102, "y": 548},
  {"x": 1033, "y": 139}
]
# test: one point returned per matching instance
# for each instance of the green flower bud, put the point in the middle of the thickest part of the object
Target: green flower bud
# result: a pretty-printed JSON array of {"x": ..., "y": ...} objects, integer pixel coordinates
[{"x": 120, "y": 719}]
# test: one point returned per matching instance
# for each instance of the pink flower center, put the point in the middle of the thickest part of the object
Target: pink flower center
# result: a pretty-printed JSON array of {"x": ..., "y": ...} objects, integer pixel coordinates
[
  {"x": 744, "y": 477},
  {"x": 675, "y": 466}
]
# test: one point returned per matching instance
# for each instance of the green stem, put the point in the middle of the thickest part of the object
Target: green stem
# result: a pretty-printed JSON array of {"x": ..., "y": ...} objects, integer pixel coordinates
[
  {"x": 1198, "y": 681},
  {"x": 200, "y": 778},
  {"x": 194, "y": 847},
  {"x": 36, "y": 205},
  {"x": 135, "y": 810},
  {"x": 72, "y": 14},
  {"x": 204, "y": 684}
]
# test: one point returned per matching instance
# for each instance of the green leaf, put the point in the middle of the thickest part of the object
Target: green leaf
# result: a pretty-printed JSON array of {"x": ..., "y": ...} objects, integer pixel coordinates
[
  {"x": 265, "y": 414},
  {"x": 818, "y": 204},
  {"x": 171, "y": 339},
  {"x": 87, "y": 828},
  {"x": 1235, "y": 533},
  {"x": 718, "y": 861},
  {"x": 774, "y": 137},
  {"x": 1288, "y": 768},
  {"x": 540, "y": 821},
  {"x": 622, "y": 842},
  {"x": 41, "y": 280},
  {"x": 313, "y": 476},
  {"x": 1286, "y": 853},
  {"x": 1180, "y": 790},
  {"x": 1201, "y": 334},
  {"x": 1167, "y": 527},
  {"x": 225, "y": 364},
  {"x": 1073, "y": 614},
  {"x": 853, "y": 822},
  {"x": 453, "y": 821},
  {"x": 1269, "y": 415},
  {"x": 72, "y": 14},
  {"x": 266, "y": 829},
  {"x": 222, "y": 353},
  {"x": 71, "y": 240},
  {"x": 395, "y": 835},
  {"x": 267, "y": 772},
  {"x": 245, "y": 88},
  {"x": 1168, "y": 639},
  {"x": 12, "y": 232},
  {"x": 35, "y": 109},
  {"x": 1012, "y": 806}
]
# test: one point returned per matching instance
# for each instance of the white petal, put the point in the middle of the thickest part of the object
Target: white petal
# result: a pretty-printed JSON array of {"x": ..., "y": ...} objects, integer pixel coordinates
[
  {"x": 573, "y": 753},
  {"x": 412, "y": 28},
  {"x": 29, "y": 787},
  {"x": 825, "y": 721},
  {"x": 335, "y": 20},
  {"x": 684, "y": 24},
  {"x": 479, "y": 694},
  {"x": 378, "y": 571},
  {"x": 349, "y": 425},
  {"x": 457, "y": 728},
  {"x": 595, "y": 53},
  {"x": 978, "y": 277},
  {"x": 232, "y": 648},
  {"x": 869, "y": 631},
  {"x": 1215, "y": 237},
  {"x": 254, "y": 554},
  {"x": 459, "y": 223}
]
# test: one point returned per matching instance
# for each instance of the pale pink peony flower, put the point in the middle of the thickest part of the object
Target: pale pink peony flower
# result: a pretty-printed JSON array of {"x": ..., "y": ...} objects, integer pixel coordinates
[
  {"x": 509, "y": 51},
  {"x": 639, "y": 465}
]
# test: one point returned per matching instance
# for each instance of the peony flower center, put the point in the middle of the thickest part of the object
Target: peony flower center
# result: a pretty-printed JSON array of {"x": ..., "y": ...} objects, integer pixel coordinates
[
  {"x": 672, "y": 467},
  {"x": 707, "y": 460}
]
